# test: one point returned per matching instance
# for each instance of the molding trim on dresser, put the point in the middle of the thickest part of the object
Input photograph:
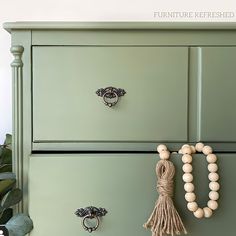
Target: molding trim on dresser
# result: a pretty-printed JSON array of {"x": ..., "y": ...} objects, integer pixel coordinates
[
  {"x": 119, "y": 25},
  {"x": 17, "y": 77},
  {"x": 21, "y": 133}
]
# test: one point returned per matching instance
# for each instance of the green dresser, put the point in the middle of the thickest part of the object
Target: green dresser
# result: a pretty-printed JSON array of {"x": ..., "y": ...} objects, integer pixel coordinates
[{"x": 77, "y": 143}]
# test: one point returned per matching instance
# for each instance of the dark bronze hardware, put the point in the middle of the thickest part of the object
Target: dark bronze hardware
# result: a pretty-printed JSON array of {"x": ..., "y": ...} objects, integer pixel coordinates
[
  {"x": 3, "y": 230},
  {"x": 90, "y": 213},
  {"x": 110, "y": 95}
]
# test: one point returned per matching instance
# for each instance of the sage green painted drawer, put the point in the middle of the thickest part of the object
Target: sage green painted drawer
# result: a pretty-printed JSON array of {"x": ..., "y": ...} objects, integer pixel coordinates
[
  {"x": 124, "y": 184},
  {"x": 218, "y": 96},
  {"x": 66, "y": 107}
]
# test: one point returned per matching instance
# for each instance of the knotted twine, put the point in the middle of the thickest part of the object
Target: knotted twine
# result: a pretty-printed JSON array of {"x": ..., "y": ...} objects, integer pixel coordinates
[{"x": 165, "y": 218}]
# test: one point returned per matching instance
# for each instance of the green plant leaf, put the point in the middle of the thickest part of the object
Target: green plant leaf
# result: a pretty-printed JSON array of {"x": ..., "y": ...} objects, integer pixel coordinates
[
  {"x": 6, "y": 216},
  {"x": 6, "y": 168},
  {"x": 1, "y": 211},
  {"x": 19, "y": 225},
  {"x": 8, "y": 141},
  {"x": 6, "y": 157},
  {"x": 12, "y": 198},
  {"x": 7, "y": 175},
  {"x": 6, "y": 185}
]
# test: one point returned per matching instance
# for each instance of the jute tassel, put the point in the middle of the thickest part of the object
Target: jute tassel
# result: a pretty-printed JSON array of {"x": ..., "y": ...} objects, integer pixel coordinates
[{"x": 165, "y": 218}]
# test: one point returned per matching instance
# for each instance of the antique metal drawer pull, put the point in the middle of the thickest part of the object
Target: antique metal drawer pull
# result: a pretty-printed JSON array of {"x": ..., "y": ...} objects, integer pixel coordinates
[
  {"x": 90, "y": 213},
  {"x": 110, "y": 95}
]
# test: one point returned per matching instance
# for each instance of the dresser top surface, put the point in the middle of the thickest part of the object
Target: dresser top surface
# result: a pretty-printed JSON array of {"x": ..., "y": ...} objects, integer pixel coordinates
[{"x": 60, "y": 25}]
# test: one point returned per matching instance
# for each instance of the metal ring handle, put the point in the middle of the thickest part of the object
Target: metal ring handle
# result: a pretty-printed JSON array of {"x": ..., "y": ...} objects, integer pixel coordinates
[
  {"x": 108, "y": 95},
  {"x": 90, "y": 213},
  {"x": 88, "y": 228}
]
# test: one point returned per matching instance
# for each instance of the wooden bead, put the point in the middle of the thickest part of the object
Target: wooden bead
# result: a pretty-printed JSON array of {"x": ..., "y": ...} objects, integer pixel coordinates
[
  {"x": 186, "y": 158},
  {"x": 213, "y": 177},
  {"x": 193, "y": 150},
  {"x": 199, "y": 147},
  {"x": 187, "y": 177},
  {"x": 192, "y": 206},
  {"x": 214, "y": 186},
  {"x": 207, "y": 150},
  {"x": 186, "y": 150},
  {"x": 213, "y": 195},
  {"x": 185, "y": 145},
  {"x": 187, "y": 168},
  {"x": 199, "y": 213},
  {"x": 189, "y": 187},
  {"x": 164, "y": 155},
  {"x": 161, "y": 148},
  {"x": 211, "y": 158},
  {"x": 190, "y": 197},
  {"x": 180, "y": 151},
  {"x": 212, "y": 167},
  {"x": 207, "y": 212},
  {"x": 212, "y": 204}
]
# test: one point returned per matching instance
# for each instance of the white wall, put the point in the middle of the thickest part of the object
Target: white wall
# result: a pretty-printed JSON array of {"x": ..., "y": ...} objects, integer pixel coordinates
[{"x": 88, "y": 10}]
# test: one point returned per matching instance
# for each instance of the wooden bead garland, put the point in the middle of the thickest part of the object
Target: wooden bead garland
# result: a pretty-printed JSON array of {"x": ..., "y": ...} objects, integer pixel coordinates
[{"x": 213, "y": 176}]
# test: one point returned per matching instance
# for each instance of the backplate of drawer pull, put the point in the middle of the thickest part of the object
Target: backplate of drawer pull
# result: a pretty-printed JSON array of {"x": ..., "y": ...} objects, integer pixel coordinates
[
  {"x": 3, "y": 231},
  {"x": 90, "y": 213},
  {"x": 110, "y": 95}
]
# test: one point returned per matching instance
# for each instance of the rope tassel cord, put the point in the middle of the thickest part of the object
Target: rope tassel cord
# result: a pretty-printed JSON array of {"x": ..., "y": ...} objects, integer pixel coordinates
[{"x": 165, "y": 218}]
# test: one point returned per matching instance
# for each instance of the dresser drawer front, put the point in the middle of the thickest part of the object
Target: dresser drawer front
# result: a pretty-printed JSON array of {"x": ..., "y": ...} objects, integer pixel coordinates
[
  {"x": 218, "y": 83},
  {"x": 124, "y": 184},
  {"x": 66, "y": 107}
]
